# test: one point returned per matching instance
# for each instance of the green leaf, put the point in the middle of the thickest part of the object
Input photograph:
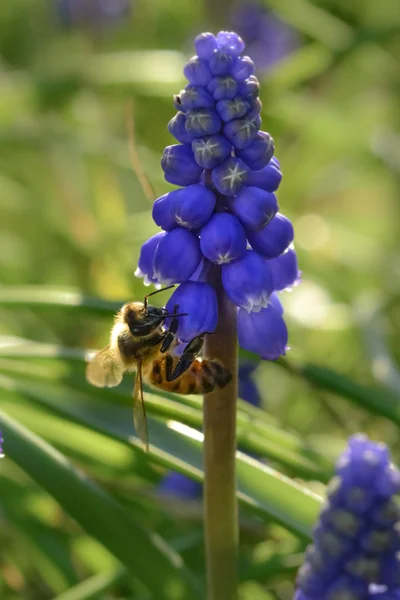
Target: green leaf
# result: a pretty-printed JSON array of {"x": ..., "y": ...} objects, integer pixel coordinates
[
  {"x": 261, "y": 488},
  {"x": 254, "y": 434},
  {"x": 378, "y": 400},
  {"x": 43, "y": 297},
  {"x": 144, "y": 553}
]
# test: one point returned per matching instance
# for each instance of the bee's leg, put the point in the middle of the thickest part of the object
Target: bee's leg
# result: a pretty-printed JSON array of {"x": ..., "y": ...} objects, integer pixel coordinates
[
  {"x": 171, "y": 333},
  {"x": 189, "y": 354}
]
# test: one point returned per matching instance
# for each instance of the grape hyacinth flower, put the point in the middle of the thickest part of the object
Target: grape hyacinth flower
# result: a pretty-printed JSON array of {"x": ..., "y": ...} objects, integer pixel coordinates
[
  {"x": 225, "y": 215},
  {"x": 268, "y": 38},
  {"x": 1, "y": 445},
  {"x": 356, "y": 544}
]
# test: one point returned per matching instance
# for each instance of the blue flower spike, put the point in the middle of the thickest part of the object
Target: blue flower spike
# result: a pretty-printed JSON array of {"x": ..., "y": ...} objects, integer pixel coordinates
[
  {"x": 355, "y": 550},
  {"x": 224, "y": 214},
  {"x": 1, "y": 446}
]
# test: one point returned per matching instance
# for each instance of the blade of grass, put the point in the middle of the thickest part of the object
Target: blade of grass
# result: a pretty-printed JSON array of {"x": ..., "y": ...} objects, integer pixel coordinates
[
  {"x": 252, "y": 437},
  {"x": 262, "y": 489},
  {"x": 42, "y": 297},
  {"x": 378, "y": 400},
  {"x": 95, "y": 586},
  {"x": 144, "y": 553}
]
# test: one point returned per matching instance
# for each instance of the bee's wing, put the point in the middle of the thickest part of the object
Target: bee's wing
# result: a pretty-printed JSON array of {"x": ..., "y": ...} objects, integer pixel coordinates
[
  {"x": 139, "y": 409},
  {"x": 104, "y": 370}
]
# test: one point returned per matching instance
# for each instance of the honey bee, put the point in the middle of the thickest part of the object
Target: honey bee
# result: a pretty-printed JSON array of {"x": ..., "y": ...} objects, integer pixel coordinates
[{"x": 141, "y": 342}]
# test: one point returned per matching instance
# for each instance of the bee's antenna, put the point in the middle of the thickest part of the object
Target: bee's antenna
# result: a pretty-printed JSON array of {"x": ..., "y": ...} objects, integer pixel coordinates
[{"x": 156, "y": 292}]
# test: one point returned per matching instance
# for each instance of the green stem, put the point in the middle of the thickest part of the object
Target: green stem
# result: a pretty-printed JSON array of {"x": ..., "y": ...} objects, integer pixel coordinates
[{"x": 220, "y": 505}]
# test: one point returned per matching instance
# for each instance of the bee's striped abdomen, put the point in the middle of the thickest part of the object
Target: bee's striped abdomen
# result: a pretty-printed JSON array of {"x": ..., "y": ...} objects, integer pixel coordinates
[{"x": 200, "y": 378}]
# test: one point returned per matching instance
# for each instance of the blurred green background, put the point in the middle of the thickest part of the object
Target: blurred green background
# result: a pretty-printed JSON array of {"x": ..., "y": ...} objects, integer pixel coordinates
[{"x": 85, "y": 97}]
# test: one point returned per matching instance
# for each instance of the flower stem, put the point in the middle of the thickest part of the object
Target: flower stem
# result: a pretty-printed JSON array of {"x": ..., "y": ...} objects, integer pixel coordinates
[{"x": 220, "y": 505}]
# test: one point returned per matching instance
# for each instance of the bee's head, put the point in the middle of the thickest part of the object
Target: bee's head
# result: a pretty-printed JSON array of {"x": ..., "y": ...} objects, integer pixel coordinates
[{"x": 142, "y": 320}]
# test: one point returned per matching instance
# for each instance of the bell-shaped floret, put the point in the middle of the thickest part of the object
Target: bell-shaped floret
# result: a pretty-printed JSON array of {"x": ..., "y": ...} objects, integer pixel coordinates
[
  {"x": 254, "y": 207},
  {"x": 258, "y": 154},
  {"x": 193, "y": 206},
  {"x": 222, "y": 87},
  {"x": 267, "y": 178},
  {"x": 230, "y": 176},
  {"x": 177, "y": 127},
  {"x": 263, "y": 332},
  {"x": 205, "y": 44},
  {"x": 230, "y": 42},
  {"x": 198, "y": 301},
  {"x": 196, "y": 96},
  {"x": 221, "y": 62},
  {"x": 285, "y": 270},
  {"x": 249, "y": 88},
  {"x": 241, "y": 132},
  {"x": 273, "y": 239},
  {"x": 164, "y": 211},
  {"x": 177, "y": 256},
  {"x": 347, "y": 586},
  {"x": 197, "y": 71},
  {"x": 243, "y": 68},
  {"x": 210, "y": 151},
  {"x": 232, "y": 109},
  {"x": 189, "y": 207},
  {"x": 248, "y": 282},
  {"x": 179, "y": 165},
  {"x": 202, "y": 121},
  {"x": 223, "y": 239},
  {"x": 145, "y": 267}
]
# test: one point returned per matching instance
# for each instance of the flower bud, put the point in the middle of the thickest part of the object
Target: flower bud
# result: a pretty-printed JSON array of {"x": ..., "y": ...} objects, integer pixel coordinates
[
  {"x": 259, "y": 153},
  {"x": 202, "y": 121},
  {"x": 230, "y": 176},
  {"x": 195, "y": 96},
  {"x": 222, "y": 87},
  {"x": 221, "y": 62},
  {"x": 243, "y": 68},
  {"x": 230, "y": 42},
  {"x": 232, "y": 109},
  {"x": 285, "y": 271},
  {"x": 210, "y": 151},
  {"x": 177, "y": 128},
  {"x": 205, "y": 45},
  {"x": 267, "y": 178},
  {"x": 248, "y": 282},
  {"x": 254, "y": 207},
  {"x": 199, "y": 301},
  {"x": 249, "y": 88},
  {"x": 193, "y": 206},
  {"x": 273, "y": 239},
  {"x": 223, "y": 239},
  {"x": 263, "y": 332},
  {"x": 146, "y": 259},
  {"x": 197, "y": 71},
  {"x": 241, "y": 132},
  {"x": 177, "y": 256},
  {"x": 179, "y": 165}
]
